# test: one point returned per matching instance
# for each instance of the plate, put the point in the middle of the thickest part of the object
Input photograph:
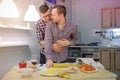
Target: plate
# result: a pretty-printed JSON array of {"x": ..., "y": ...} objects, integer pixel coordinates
[
  {"x": 88, "y": 71},
  {"x": 71, "y": 70},
  {"x": 50, "y": 75},
  {"x": 51, "y": 72}
]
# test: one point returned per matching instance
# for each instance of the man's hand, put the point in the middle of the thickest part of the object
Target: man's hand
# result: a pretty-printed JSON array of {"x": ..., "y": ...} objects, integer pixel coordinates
[
  {"x": 42, "y": 43},
  {"x": 49, "y": 63},
  {"x": 60, "y": 44},
  {"x": 57, "y": 48},
  {"x": 63, "y": 42}
]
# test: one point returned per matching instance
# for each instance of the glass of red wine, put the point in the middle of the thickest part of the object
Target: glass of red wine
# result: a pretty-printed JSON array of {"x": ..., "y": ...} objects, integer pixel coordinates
[
  {"x": 34, "y": 59},
  {"x": 96, "y": 59}
]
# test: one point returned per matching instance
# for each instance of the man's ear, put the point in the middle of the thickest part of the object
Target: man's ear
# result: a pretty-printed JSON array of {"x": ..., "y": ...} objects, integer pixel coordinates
[{"x": 61, "y": 15}]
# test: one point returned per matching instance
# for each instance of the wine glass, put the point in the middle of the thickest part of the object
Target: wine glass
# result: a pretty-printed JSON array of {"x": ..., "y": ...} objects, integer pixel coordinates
[
  {"x": 96, "y": 59},
  {"x": 34, "y": 60}
]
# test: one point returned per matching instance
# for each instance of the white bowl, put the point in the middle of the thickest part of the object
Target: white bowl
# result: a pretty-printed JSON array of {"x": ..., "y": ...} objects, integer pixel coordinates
[
  {"x": 26, "y": 71},
  {"x": 71, "y": 69}
]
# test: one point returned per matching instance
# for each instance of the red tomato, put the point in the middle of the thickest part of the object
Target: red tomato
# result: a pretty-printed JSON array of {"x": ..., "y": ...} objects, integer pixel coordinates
[{"x": 22, "y": 64}]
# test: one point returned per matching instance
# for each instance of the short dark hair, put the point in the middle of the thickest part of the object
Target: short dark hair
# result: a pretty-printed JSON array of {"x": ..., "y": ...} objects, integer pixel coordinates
[
  {"x": 43, "y": 8},
  {"x": 60, "y": 9}
]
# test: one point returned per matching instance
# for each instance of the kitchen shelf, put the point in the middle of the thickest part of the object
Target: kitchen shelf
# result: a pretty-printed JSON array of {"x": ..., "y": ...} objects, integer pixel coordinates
[
  {"x": 11, "y": 44},
  {"x": 9, "y": 38},
  {"x": 15, "y": 27}
]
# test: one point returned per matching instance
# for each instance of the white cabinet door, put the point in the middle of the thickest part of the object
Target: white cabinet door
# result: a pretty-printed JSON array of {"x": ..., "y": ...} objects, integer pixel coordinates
[
  {"x": 106, "y": 18},
  {"x": 110, "y": 17},
  {"x": 117, "y": 60},
  {"x": 117, "y": 17},
  {"x": 105, "y": 58}
]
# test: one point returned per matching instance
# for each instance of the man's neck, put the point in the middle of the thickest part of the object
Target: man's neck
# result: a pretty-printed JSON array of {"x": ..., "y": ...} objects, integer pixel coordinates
[{"x": 61, "y": 23}]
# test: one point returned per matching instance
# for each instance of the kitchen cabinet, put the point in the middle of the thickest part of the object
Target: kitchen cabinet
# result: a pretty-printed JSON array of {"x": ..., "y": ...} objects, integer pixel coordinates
[
  {"x": 14, "y": 36},
  {"x": 110, "y": 17},
  {"x": 110, "y": 58},
  {"x": 117, "y": 60}
]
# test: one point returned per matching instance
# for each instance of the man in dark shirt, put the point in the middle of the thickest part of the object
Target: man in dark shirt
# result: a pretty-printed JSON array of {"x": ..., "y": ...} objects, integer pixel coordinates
[{"x": 45, "y": 15}]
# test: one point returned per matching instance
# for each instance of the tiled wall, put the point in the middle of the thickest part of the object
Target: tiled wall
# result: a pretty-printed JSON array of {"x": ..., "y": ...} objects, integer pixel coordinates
[{"x": 110, "y": 36}]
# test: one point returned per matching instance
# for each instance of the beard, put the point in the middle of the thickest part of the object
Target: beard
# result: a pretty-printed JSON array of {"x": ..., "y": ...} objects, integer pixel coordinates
[{"x": 55, "y": 22}]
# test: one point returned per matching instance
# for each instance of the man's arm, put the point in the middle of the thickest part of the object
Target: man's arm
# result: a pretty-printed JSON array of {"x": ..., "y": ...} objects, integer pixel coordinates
[
  {"x": 48, "y": 45},
  {"x": 63, "y": 42},
  {"x": 74, "y": 35},
  {"x": 55, "y": 47},
  {"x": 39, "y": 35}
]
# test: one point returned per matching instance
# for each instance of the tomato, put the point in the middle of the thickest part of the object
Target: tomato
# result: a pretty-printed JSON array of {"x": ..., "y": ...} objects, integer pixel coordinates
[{"x": 22, "y": 64}]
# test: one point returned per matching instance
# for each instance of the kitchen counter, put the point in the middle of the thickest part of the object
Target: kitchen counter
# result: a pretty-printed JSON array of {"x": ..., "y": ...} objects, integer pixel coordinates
[
  {"x": 101, "y": 46},
  {"x": 112, "y": 46},
  {"x": 84, "y": 46},
  {"x": 80, "y": 50},
  {"x": 101, "y": 74}
]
